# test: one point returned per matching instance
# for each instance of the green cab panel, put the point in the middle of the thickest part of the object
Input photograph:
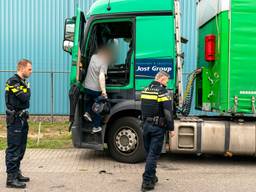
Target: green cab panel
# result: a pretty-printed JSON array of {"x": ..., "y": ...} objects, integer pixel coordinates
[
  {"x": 129, "y": 6},
  {"x": 154, "y": 49},
  {"x": 79, "y": 28}
]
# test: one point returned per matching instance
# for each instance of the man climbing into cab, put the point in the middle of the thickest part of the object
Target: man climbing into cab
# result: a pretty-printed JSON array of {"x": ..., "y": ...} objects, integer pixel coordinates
[{"x": 95, "y": 84}]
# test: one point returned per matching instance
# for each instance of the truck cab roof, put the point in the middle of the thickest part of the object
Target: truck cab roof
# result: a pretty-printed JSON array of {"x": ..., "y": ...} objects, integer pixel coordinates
[{"x": 100, "y": 7}]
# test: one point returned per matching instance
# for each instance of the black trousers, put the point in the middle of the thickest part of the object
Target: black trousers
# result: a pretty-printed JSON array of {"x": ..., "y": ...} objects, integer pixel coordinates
[
  {"x": 91, "y": 98},
  {"x": 153, "y": 137},
  {"x": 17, "y": 133}
]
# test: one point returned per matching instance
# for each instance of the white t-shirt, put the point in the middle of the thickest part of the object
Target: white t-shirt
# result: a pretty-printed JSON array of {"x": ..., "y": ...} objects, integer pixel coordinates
[{"x": 96, "y": 66}]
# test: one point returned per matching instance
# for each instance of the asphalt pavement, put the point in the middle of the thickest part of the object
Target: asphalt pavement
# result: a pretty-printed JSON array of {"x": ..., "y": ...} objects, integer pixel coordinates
[{"x": 81, "y": 170}]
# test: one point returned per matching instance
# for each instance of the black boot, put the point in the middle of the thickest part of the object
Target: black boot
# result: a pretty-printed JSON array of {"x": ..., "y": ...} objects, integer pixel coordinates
[
  {"x": 13, "y": 182},
  {"x": 21, "y": 178},
  {"x": 147, "y": 186},
  {"x": 155, "y": 179}
]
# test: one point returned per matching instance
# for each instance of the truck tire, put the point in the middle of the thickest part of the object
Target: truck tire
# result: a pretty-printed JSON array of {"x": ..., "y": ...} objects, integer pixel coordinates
[{"x": 125, "y": 140}]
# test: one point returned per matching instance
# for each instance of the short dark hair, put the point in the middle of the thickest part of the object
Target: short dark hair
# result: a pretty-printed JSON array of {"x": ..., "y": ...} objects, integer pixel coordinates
[
  {"x": 161, "y": 73},
  {"x": 23, "y": 63}
]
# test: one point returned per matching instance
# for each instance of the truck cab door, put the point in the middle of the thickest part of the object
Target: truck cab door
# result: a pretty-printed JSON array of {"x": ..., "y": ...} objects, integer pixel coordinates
[
  {"x": 73, "y": 36},
  {"x": 116, "y": 33}
]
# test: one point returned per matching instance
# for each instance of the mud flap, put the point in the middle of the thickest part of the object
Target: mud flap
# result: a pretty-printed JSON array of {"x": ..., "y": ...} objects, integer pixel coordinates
[{"x": 74, "y": 94}]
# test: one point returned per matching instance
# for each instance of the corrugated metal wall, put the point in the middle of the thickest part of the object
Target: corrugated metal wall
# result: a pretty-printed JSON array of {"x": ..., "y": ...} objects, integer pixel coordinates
[
  {"x": 84, "y": 4},
  {"x": 189, "y": 31},
  {"x": 34, "y": 29}
]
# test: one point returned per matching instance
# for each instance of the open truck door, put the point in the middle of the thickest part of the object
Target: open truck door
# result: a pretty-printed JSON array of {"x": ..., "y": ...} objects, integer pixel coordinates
[
  {"x": 78, "y": 43},
  {"x": 73, "y": 36}
]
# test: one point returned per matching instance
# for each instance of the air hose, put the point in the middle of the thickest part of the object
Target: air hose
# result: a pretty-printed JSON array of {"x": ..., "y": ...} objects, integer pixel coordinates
[{"x": 188, "y": 94}]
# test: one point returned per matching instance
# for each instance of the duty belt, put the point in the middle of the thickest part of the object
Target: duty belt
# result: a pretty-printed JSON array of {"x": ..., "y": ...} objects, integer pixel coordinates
[
  {"x": 159, "y": 121},
  {"x": 20, "y": 113},
  {"x": 154, "y": 120}
]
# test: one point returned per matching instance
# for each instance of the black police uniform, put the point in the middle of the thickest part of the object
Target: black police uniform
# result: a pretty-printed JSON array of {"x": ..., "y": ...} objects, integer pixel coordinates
[
  {"x": 157, "y": 113},
  {"x": 17, "y": 96}
]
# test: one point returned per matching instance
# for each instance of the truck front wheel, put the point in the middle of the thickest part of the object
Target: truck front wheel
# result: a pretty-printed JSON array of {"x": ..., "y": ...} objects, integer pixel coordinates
[{"x": 125, "y": 140}]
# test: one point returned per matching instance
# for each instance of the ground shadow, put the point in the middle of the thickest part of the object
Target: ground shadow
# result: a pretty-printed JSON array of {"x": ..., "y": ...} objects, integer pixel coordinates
[{"x": 208, "y": 159}]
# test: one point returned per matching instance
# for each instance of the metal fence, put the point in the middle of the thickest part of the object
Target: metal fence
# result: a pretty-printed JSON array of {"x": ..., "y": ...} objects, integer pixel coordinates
[{"x": 49, "y": 92}]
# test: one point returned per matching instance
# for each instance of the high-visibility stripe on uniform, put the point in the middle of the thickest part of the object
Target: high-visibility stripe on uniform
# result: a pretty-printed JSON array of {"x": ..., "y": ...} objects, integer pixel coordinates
[
  {"x": 9, "y": 86},
  {"x": 150, "y": 97},
  {"x": 163, "y": 99},
  {"x": 24, "y": 89},
  {"x": 155, "y": 97},
  {"x": 14, "y": 90}
]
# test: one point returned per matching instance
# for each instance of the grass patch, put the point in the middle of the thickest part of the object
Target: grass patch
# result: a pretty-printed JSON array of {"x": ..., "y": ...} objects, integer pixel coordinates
[
  {"x": 2, "y": 143},
  {"x": 52, "y": 135}
]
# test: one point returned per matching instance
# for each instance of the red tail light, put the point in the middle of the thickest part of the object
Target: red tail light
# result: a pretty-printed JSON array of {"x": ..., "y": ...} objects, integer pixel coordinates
[{"x": 210, "y": 42}]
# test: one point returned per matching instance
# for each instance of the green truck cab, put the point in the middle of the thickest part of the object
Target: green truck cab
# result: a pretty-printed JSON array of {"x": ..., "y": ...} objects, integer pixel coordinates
[
  {"x": 145, "y": 42},
  {"x": 147, "y": 35}
]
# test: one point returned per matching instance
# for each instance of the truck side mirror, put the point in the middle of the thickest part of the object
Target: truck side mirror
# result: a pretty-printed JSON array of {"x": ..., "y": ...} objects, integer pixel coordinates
[{"x": 69, "y": 31}]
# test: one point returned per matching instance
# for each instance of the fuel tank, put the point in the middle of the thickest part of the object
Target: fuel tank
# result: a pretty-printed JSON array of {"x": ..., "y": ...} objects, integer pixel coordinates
[{"x": 214, "y": 136}]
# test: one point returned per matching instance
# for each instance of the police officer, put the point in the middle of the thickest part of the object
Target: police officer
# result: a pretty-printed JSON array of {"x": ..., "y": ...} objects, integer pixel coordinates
[
  {"x": 17, "y": 96},
  {"x": 157, "y": 114}
]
